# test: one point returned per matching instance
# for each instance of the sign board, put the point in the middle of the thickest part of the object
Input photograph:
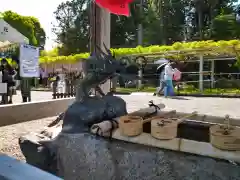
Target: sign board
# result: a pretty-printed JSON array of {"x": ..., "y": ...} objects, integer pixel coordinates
[
  {"x": 61, "y": 85},
  {"x": 3, "y": 88},
  {"x": 29, "y": 61}
]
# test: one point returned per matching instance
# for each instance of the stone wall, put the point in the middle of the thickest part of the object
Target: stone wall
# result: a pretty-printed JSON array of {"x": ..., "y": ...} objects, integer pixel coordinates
[{"x": 17, "y": 113}]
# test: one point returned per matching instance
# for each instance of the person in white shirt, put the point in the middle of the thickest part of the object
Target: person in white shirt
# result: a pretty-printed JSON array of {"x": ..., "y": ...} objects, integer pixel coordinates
[{"x": 168, "y": 77}]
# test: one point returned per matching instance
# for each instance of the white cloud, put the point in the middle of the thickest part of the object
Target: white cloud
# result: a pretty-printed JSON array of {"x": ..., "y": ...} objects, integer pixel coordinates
[{"x": 43, "y": 10}]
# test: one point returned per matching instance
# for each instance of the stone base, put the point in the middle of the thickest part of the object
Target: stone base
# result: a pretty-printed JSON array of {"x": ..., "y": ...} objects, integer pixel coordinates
[
  {"x": 76, "y": 154},
  {"x": 84, "y": 156}
]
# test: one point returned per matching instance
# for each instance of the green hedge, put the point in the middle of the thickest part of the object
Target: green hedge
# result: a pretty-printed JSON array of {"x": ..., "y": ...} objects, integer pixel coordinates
[{"x": 178, "y": 50}]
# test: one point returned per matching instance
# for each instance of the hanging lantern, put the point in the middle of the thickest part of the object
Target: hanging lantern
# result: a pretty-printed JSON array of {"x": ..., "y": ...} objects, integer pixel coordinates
[
  {"x": 237, "y": 17},
  {"x": 118, "y": 7}
]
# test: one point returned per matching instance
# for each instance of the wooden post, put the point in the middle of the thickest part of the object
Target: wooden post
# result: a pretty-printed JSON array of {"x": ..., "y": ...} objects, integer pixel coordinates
[
  {"x": 105, "y": 38},
  {"x": 100, "y": 33},
  {"x": 95, "y": 27}
]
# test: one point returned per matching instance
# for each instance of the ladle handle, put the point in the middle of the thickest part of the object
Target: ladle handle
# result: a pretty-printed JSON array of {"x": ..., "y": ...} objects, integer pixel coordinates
[
  {"x": 170, "y": 113},
  {"x": 227, "y": 118},
  {"x": 187, "y": 116},
  {"x": 135, "y": 113},
  {"x": 161, "y": 115}
]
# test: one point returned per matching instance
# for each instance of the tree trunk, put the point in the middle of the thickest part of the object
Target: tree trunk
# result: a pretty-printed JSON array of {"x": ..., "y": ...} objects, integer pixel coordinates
[{"x": 200, "y": 24}]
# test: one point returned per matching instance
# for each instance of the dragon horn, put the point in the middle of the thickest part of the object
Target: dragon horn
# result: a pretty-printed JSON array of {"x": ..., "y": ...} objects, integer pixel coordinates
[
  {"x": 100, "y": 50},
  {"x": 114, "y": 55},
  {"x": 107, "y": 50}
]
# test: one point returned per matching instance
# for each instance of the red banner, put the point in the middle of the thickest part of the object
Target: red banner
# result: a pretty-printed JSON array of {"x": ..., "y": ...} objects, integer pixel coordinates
[{"x": 118, "y": 7}]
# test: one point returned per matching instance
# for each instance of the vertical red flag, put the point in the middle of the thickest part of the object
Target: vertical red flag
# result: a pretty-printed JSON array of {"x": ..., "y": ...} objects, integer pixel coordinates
[{"x": 119, "y": 7}]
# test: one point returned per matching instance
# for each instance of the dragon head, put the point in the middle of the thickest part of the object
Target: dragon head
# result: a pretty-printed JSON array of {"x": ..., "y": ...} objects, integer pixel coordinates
[{"x": 105, "y": 62}]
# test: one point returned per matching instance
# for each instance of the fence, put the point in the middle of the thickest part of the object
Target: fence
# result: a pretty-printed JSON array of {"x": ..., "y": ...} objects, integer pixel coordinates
[
  {"x": 64, "y": 85},
  {"x": 190, "y": 81}
]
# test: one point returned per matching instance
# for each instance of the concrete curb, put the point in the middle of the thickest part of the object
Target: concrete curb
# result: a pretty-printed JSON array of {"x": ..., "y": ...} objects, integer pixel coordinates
[
  {"x": 189, "y": 95},
  {"x": 23, "y": 112},
  {"x": 182, "y": 145},
  {"x": 210, "y": 95},
  {"x": 14, "y": 169},
  {"x": 141, "y": 93}
]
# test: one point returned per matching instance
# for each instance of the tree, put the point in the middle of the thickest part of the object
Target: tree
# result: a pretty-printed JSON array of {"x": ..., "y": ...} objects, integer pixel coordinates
[
  {"x": 188, "y": 19},
  {"x": 72, "y": 28},
  {"x": 160, "y": 26},
  {"x": 225, "y": 27},
  {"x": 168, "y": 20},
  {"x": 124, "y": 29},
  {"x": 39, "y": 32},
  {"x": 203, "y": 14},
  {"x": 164, "y": 22},
  {"x": 28, "y": 26}
]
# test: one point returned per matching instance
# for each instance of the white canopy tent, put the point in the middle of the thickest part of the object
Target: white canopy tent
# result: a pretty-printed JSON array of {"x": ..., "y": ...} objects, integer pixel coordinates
[{"x": 4, "y": 44}]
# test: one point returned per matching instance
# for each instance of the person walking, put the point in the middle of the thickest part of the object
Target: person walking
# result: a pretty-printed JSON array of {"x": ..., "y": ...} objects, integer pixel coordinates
[
  {"x": 44, "y": 77},
  {"x": 161, "y": 83},
  {"x": 168, "y": 78}
]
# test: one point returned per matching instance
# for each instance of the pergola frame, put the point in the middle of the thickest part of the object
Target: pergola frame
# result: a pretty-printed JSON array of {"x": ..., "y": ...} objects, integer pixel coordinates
[
  {"x": 195, "y": 52},
  {"x": 6, "y": 45}
]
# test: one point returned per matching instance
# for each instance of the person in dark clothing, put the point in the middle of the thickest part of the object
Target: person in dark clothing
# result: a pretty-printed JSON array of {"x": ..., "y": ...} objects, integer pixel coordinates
[{"x": 8, "y": 75}]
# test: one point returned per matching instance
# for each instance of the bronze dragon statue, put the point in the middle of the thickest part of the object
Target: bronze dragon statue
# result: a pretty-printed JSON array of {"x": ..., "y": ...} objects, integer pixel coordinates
[{"x": 100, "y": 68}]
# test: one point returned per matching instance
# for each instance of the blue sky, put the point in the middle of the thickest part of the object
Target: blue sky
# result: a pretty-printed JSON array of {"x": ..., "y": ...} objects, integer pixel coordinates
[{"x": 43, "y": 10}]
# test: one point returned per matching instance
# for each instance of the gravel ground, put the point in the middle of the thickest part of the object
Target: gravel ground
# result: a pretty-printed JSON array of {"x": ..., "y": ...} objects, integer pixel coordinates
[
  {"x": 212, "y": 106},
  {"x": 9, "y": 136}
]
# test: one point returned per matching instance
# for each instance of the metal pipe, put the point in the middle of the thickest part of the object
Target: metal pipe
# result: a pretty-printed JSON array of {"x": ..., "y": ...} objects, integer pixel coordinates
[
  {"x": 212, "y": 74},
  {"x": 140, "y": 42},
  {"x": 201, "y": 73}
]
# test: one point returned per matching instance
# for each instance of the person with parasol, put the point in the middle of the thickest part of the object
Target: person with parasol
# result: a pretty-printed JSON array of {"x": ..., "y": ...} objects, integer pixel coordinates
[
  {"x": 160, "y": 71},
  {"x": 168, "y": 79}
]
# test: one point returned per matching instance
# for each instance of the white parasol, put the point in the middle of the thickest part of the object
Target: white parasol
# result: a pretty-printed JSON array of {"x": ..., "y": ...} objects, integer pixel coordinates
[{"x": 162, "y": 63}]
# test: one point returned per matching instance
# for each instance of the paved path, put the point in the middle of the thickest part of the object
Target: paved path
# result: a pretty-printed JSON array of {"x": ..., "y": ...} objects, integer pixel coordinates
[
  {"x": 210, "y": 106},
  {"x": 36, "y": 96}
]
